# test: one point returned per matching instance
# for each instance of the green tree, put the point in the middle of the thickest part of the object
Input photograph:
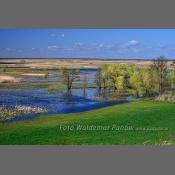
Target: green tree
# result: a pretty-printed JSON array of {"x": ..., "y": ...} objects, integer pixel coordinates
[
  {"x": 148, "y": 82},
  {"x": 120, "y": 84},
  {"x": 117, "y": 74},
  {"x": 131, "y": 69},
  {"x": 171, "y": 77},
  {"x": 136, "y": 83}
]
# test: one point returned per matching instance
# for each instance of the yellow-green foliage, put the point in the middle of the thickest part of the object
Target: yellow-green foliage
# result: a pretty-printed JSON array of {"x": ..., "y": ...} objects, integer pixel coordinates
[
  {"x": 137, "y": 83},
  {"x": 171, "y": 77},
  {"x": 116, "y": 75},
  {"x": 123, "y": 77}
]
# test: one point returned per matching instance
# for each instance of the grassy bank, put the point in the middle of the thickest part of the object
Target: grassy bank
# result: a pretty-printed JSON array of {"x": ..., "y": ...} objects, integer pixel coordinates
[{"x": 140, "y": 122}]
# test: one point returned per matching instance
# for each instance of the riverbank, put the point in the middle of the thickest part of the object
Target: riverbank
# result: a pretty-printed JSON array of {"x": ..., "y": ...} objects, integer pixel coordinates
[{"x": 139, "y": 122}]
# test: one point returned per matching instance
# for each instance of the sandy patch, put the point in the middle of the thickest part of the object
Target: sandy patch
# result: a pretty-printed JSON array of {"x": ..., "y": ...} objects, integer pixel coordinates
[{"x": 9, "y": 79}]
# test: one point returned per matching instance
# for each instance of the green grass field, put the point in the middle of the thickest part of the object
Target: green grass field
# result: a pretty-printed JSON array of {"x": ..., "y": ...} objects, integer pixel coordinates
[{"x": 139, "y": 122}]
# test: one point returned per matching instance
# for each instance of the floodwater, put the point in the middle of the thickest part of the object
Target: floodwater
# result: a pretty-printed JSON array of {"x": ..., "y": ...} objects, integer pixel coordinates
[{"x": 58, "y": 102}]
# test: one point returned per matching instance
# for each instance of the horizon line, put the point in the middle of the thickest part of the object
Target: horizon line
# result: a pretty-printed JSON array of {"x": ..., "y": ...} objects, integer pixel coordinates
[{"x": 84, "y": 58}]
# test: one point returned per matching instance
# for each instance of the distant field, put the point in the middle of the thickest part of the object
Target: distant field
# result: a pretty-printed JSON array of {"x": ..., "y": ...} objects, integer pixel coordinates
[
  {"x": 70, "y": 63},
  {"x": 140, "y": 122}
]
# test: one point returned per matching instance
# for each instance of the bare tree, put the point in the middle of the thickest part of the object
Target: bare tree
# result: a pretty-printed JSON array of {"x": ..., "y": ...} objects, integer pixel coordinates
[
  {"x": 69, "y": 76},
  {"x": 98, "y": 78},
  {"x": 85, "y": 82},
  {"x": 159, "y": 68},
  {"x": 102, "y": 76}
]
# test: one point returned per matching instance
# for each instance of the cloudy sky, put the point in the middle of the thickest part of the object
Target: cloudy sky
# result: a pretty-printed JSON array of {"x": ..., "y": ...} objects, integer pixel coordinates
[{"x": 87, "y": 43}]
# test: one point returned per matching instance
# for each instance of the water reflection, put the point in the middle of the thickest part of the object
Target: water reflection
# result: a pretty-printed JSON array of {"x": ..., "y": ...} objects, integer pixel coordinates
[{"x": 60, "y": 100}]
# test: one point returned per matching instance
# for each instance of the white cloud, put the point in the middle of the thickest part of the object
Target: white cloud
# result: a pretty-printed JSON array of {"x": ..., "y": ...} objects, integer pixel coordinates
[
  {"x": 101, "y": 45},
  {"x": 54, "y": 35},
  {"x": 78, "y": 44},
  {"x": 10, "y": 49},
  {"x": 130, "y": 43},
  {"x": 54, "y": 47},
  {"x": 107, "y": 46}
]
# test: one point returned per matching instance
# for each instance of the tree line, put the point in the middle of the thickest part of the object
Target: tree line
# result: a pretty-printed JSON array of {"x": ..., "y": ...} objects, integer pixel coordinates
[
  {"x": 152, "y": 80},
  {"x": 128, "y": 79}
]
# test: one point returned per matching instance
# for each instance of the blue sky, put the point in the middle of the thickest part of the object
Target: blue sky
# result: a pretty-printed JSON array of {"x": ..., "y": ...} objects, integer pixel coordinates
[{"x": 87, "y": 43}]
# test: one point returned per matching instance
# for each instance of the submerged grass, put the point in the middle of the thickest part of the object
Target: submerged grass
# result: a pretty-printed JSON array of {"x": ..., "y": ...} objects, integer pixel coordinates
[
  {"x": 149, "y": 122},
  {"x": 4, "y": 86}
]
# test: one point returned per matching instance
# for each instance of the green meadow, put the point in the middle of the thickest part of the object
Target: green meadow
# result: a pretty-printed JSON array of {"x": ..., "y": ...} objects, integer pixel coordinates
[{"x": 144, "y": 122}]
